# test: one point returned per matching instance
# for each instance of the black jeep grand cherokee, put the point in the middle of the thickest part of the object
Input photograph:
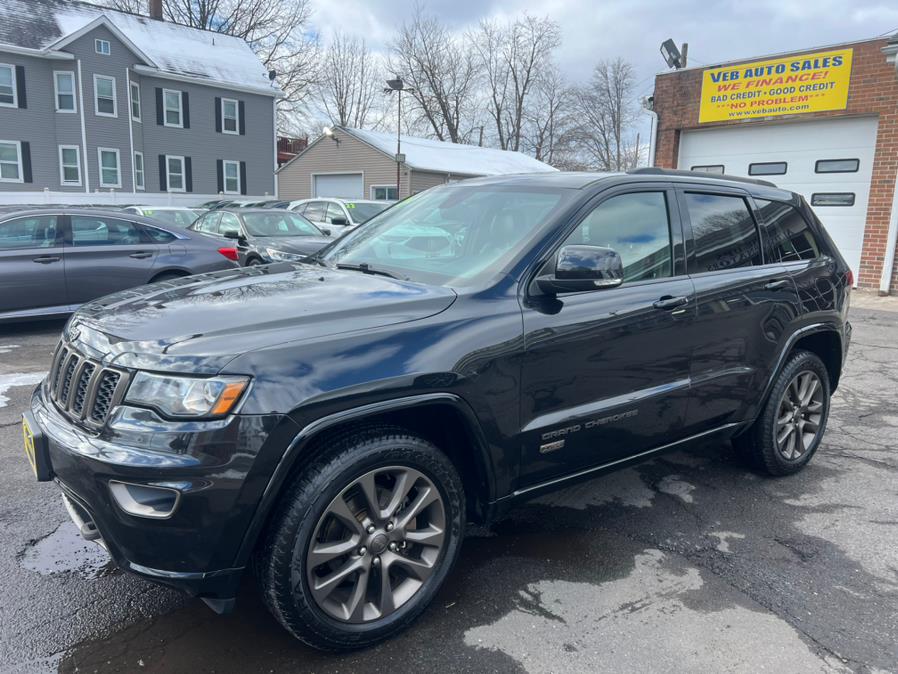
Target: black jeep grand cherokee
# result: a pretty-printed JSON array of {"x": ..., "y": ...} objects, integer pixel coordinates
[{"x": 334, "y": 424}]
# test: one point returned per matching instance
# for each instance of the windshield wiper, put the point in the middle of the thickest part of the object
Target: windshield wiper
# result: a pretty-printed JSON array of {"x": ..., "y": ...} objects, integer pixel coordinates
[{"x": 366, "y": 268}]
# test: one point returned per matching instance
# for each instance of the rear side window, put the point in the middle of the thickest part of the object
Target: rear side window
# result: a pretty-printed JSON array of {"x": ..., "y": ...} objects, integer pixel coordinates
[
  {"x": 89, "y": 230},
  {"x": 159, "y": 235},
  {"x": 787, "y": 237},
  {"x": 30, "y": 232},
  {"x": 635, "y": 225},
  {"x": 724, "y": 233}
]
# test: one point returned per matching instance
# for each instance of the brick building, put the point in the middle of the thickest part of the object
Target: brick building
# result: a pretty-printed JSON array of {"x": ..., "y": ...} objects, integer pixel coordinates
[{"x": 822, "y": 122}]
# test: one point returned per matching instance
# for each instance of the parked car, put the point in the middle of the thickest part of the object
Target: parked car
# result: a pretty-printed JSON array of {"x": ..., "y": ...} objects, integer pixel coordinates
[
  {"x": 53, "y": 260},
  {"x": 215, "y": 203},
  {"x": 336, "y": 424},
  {"x": 339, "y": 215},
  {"x": 263, "y": 235},
  {"x": 269, "y": 203},
  {"x": 170, "y": 215}
]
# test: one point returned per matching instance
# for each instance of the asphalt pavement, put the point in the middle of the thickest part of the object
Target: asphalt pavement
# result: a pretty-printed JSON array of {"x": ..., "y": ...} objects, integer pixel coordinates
[{"x": 689, "y": 562}]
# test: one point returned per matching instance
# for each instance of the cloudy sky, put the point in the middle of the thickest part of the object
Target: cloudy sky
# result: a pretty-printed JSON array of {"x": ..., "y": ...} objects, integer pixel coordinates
[{"x": 633, "y": 29}]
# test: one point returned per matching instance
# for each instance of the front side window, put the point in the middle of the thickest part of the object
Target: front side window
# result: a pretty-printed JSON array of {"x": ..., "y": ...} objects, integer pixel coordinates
[
  {"x": 173, "y": 111},
  {"x": 231, "y": 177},
  {"x": 787, "y": 237},
  {"x": 70, "y": 164},
  {"x": 104, "y": 89},
  {"x": 724, "y": 233},
  {"x": 230, "y": 116},
  {"x": 64, "y": 82},
  {"x": 175, "y": 170},
  {"x": 110, "y": 172},
  {"x": 29, "y": 232},
  {"x": 139, "y": 180},
  {"x": 91, "y": 230},
  {"x": 335, "y": 212},
  {"x": 637, "y": 227},
  {"x": 229, "y": 224},
  {"x": 135, "y": 101},
  {"x": 10, "y": 161},
  {"x": 8, "y": 86},
  {"x": 208, "y": 223},
  {"x": 316, "y": 211}
]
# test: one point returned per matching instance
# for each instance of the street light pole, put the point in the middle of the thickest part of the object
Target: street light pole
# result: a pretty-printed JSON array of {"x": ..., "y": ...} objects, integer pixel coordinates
[{"x": 397, "y": 85}]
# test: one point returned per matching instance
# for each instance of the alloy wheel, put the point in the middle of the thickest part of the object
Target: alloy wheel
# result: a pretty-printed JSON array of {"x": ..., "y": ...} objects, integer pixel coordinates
[
  {"x": 376, "y": 544},
  {"x": 799, "y": 416}
]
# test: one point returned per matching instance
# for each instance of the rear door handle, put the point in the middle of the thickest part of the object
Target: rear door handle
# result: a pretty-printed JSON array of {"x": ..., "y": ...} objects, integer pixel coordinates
[
  {"x": 777, "y": 285},
  {"x": 669, "y": 303},
  {"x": 46, "y": 259},
  {"x": 140, "y": 255}
]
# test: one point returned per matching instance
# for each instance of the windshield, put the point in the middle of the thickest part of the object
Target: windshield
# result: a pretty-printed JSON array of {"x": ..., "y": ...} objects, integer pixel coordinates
[
  {"x": 363, "y": 212},
  {"x": 450, "y": 236},
  {"x": 182, "y": 217},
  {"x": 279, "y": 223}
]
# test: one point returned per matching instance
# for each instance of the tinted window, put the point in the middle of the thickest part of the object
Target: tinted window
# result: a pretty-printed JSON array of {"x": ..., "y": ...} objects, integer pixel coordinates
[
  {"x": 34, "y": 232},
  {"x": 837, "y": 165},
  {"x": 787, "y": 236},
  {"x": 315, "y": 211},
  {"x": 767, "y": 168},
  {"x": 159, "y": 235},
  {"x": 229, "y": 223},
  {"x": 724, "y": 233},
  {"x": 90, "y": 230},
  {"x": 637, "y": 227}
]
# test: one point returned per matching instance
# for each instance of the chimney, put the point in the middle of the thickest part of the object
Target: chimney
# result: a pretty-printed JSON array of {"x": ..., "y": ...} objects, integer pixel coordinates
[{"x": 156, "y": 10}]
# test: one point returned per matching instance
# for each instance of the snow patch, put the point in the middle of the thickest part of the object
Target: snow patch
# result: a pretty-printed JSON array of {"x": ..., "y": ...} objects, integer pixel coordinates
[
  {"x": 8, "y": 381},
  {"x": 6, "y": 348},
  {"x": 724, "y": 537},
  {"x": 676, "y": 486}
]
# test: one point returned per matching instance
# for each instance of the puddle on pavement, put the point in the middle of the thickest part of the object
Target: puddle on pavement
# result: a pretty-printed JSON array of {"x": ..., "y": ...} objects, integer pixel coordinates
[{"x": 64, "y": 551}]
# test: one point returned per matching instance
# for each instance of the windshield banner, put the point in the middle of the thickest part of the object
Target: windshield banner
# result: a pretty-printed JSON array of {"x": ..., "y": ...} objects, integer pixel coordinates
[{"x": 786, "y": 86}]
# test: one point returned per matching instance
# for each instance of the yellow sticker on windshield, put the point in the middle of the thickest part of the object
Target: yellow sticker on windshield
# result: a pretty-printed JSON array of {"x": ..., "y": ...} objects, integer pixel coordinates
[
  {"x": 350, "y": 205},
  {"x": 148, "y": 212}
]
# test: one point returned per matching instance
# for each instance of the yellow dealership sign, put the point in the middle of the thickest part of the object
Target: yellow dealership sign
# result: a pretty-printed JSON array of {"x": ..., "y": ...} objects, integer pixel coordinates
[{"x": 786, "y": 86}]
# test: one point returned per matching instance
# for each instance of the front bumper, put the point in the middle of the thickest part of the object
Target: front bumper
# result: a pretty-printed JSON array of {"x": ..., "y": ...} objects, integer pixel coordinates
[{"x": 219, "y": 467}]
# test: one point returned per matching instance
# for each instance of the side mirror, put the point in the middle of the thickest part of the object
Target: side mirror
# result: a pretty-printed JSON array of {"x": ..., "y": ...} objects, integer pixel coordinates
[
  {"x": 580, "y": 268},
  {"x": 339, "y": 221},
  {"x": 237, "y": 236},
  {"x": 326, "y": 232}
]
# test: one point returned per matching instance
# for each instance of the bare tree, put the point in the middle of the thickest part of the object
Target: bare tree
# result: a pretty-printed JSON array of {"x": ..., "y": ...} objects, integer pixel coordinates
[
  {"x": 607, "y": 110},
  {"x": 550, "y": 123},
  {"x": 442, "y": 73},
  {"x": 276, "y": 31},
  {"x": 513, "y": 57},
  {"x": 350, "y": 83}
]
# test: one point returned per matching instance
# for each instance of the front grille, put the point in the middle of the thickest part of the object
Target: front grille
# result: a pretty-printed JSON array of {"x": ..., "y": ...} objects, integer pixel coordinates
[{"x": 82, "y": 388}]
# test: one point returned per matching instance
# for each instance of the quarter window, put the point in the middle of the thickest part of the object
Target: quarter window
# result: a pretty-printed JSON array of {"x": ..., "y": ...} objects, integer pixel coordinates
[
  {"x": 8, "y": 86},
  {"x": 837, "y": 166},
  {"x": 70, "y": 164},
  {"x": 139, "y": 178},
  {"x": 637, "y": 227},
  {"x": 230, "y": 116},
  {"x": 175, "y": 173},
  {"x": 110, "y": 171},
  {"x": 64, "y": 84},
  {"x": 768, "y": 168},
  {"x": 135, "y": 101},
  {"x": 708, "y": 168},
  {"x": 231, "y": 177},
  {"x": 787, "y": 237},
  {"x": 103, "y": 231},
  {"x": 173, "y": 109},
  {"x": 103, "y": 47},
  {"x": 10, "y": 161},
  {"x": 29, "y": 232},
  {"x": 104, "y": 89},
  {"x": 724, "y": 233}
]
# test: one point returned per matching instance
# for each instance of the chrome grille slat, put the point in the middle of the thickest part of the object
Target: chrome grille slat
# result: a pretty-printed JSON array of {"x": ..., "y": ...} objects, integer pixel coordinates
[{"x": 82, "y": 388}]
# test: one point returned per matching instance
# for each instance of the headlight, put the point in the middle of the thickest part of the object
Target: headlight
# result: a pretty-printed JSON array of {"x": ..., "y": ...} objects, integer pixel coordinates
[
  {"x": 281, "y": 256},
  {"x": 187, "y": 396}
]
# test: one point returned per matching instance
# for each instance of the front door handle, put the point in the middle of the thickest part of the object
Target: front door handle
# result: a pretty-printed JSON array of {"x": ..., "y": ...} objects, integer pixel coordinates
[
  {"x": 46, "y": 259},
  {"x": 777, "y": 285},
  {"x": 669, "y": 303},
  {"x": 140, "y": 255}
]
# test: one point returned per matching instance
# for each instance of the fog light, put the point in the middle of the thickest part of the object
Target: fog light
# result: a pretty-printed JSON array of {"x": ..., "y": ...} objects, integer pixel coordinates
[{"x": 142, "y": 500}]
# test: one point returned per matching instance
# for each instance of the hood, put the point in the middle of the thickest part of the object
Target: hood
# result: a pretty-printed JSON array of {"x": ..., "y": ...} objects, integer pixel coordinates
[
  {"x": 199, "y": 323},
  {"x": 302, "y": 245}
]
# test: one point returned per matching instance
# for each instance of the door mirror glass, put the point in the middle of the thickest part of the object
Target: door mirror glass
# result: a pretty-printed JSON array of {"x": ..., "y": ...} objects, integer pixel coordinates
[
  {"x": 339, "y": 221},
  {"x": 231, "y": 234},
  {"x": 580, "y": 267}
]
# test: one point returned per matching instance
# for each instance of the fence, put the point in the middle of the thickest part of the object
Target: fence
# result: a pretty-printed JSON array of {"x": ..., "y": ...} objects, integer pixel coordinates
[{"x": 118, "y": 198}]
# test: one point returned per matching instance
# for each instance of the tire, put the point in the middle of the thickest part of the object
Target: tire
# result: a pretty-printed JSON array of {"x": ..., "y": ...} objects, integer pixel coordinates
[
  {"x": 254, "y": 262},
  {"x": 291, "y": 576},
  {"x": 769, "y": 444}
]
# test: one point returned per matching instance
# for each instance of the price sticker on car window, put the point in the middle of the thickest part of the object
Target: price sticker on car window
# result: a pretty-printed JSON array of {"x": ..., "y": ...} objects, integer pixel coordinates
[{"x": 350, "y": 205}]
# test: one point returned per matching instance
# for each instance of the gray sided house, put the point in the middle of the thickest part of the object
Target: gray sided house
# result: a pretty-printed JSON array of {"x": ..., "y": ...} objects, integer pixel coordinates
[
  {"x": 361, "y": 164},
  {"x": 92, "y": 99}
]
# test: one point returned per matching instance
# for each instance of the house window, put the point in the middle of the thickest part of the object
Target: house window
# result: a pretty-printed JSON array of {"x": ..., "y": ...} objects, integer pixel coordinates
[
  {"x": 384, "y": 192},
  {"x": 230, "y": 116},
  {"x": 139, "y": 183},
  {"x": 10, "y": 161},
  {"x": 8, "y": 86},
  {"x": 174, "y": 170},
  {"x": 69, "y": 164},
  {"x": 173, "y": 112},
  {"x": 64, "y": 86},
  {"x": 110, "y": 173},
  {"x": 103, "y": 47},
  {"x": 104, "y": 91},
  {"x": 231, "y": 170},
  {"x": 135, "y": 101}
]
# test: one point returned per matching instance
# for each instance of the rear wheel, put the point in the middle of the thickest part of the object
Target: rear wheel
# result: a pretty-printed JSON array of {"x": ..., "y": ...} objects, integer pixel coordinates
[
  {"x": 253, "y": 262},
  {"x": 363, "y": 540}
]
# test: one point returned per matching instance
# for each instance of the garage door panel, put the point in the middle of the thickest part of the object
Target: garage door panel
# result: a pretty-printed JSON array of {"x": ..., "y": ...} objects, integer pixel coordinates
[
  {"x": 339, "y": 185},
  {"x": 800, "y": 145}
]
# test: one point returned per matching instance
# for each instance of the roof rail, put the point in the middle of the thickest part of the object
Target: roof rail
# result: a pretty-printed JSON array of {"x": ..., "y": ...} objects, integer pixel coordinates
[{"x": 654, "y": 171}]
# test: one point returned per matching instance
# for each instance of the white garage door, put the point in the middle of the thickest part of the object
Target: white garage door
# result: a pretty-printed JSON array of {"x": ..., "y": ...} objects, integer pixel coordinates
[
  {"x": 342, "y": 185},
  {"x": 806, "y": 149}
]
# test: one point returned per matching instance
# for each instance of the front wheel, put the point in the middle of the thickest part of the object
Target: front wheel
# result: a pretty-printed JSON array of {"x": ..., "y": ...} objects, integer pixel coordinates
[{"x": 363, "y": 540}]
